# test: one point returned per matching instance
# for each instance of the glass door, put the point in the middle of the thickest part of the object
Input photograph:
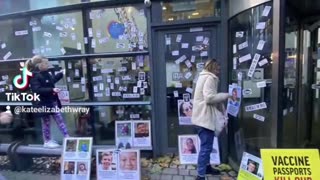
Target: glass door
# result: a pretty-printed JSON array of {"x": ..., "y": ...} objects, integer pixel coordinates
[
  {"x": 180, "y": 57},
  {"x": 315, "y": 124}
]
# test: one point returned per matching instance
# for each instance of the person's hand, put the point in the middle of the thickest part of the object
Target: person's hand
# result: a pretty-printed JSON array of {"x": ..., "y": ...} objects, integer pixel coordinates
[
  {"x": 56, "y": 90},
  {"x": 63, "y": 71}
]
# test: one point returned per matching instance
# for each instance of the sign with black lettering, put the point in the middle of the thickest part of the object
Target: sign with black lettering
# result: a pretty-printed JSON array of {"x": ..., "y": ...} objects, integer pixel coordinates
[{"x": 291, "y": 164}]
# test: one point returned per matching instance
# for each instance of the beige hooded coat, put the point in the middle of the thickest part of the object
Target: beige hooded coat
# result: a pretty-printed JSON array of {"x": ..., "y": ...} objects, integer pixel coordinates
[{"x": 205, "y": 100}]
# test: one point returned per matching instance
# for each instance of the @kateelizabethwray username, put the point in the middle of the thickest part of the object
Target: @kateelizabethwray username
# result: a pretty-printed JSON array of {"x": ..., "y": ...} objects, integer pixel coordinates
[{"x": 44, "y": 109}]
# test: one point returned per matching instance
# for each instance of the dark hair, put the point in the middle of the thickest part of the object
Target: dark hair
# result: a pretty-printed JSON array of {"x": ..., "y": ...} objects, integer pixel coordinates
[
  {"x": 181, "y": 108},
  {"x": 138, "y": 124},
  {"x": 193, "y": 151}
]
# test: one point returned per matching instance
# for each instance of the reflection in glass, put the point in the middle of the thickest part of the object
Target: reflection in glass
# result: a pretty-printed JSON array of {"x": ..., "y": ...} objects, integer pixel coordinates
[
  {"x": 106, "y": 116},
  {"x": 121, "y": 79},
  {"x": 184, "y": 10},
  {"x": 118, "y": 29},
  {"x": 99, "y": 124},
  {"x": 289, "y": 87}
]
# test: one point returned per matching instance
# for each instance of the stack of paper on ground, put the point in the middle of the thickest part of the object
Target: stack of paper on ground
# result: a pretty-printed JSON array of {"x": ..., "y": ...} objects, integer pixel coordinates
[
  {"x": 115, "y": 164},
  {"x": 135, "y": 134},
  {"x": 251, "y": 168},
  {"x": 189, "y": 147},
  {"x": 76, "y": 159}
]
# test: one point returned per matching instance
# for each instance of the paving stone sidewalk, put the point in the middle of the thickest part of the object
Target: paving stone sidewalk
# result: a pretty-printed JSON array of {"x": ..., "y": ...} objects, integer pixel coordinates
[{"x": 163, "y": 168}]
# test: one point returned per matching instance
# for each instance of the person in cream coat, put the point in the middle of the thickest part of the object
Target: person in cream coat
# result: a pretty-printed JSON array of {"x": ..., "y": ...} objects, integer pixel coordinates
[{"x": 206, "y": 100}]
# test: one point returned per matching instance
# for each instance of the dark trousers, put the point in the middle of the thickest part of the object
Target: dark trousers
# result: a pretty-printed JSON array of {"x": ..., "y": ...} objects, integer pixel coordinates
[{"x": 206, "y": 137}]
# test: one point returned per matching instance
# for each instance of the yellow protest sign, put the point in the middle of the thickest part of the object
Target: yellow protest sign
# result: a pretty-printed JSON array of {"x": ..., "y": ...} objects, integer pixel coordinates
[{"x": 291, "y": 164}]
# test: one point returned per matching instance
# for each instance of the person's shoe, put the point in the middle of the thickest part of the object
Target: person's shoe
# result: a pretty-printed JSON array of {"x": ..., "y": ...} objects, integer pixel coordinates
[
  {"x": 200, "y": 178},
  {"x": 51, "y": 144},
  {"x": 212, "y": 171}
]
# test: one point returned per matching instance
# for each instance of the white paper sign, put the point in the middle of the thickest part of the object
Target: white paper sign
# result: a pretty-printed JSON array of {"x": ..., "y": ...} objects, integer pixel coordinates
[
  {"x": 243, "y": 45},
  {"x": 204, "y": 53},
  {"x": 234, "y": 48},
  {"x": 234, "y": 63},
  {"x": 263, "y": 62},
  {"x": 199, "y": 38},
  {"x": 261, "y": 84},
  {"x": 188, "y": 75},
  {"x": 206, "y": 41},
  {"x": 244, "y": 58},
  {"x": 261, "y": 25},
  {"x": 258, "y": 117},
  {"x": 190, "y": 155},
  {"x": 185, "y": 45},
  {"x": 266, "y": 10},
  {"x": 253, "y": 64},
  {"x": 90, "y": 32},
  {"x": 175, "y": 94},
  {"x": 255, "y": 107},
  {"x": 260, "y": 44},
  {"x": 21, "y": 33},
  {"x": 193, "y": 59},
  {"x": 3, "y": 45},
  {"x": 189, "y": 90},
  {"x": 64, "y": 97},
  {"x": 175, "y": 53},
  {"x": 188, "y": 63},
  {"x": 251, "y": 166},
  {"x": 36, "y": 29},
  {"x": 93, "y": 43},
  {"x": 239, "y": 34},
  {"x": 63, "y": 51},
  {"x": 181, "y": 59},
  {"x": 8, "y": 54},
  {"x": 179, "y": 37},
  {"x": 76, "y": 158},
  {"x": 168, "y": 40},
  {"x": 78, "y": 46}
]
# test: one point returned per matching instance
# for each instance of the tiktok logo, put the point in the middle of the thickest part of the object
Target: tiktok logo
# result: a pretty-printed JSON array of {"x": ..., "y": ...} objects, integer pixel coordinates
[{"x": 22, "y": 81}]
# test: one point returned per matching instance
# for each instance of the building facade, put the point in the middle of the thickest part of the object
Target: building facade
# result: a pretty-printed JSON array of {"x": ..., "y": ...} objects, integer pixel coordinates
[{"x": 129, "y": 61}]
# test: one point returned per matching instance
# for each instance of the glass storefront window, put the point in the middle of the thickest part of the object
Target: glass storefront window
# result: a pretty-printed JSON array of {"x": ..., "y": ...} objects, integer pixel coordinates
[
  {"x": 15, "y": 38},
  {"x": 106, "y": 116},
  {"x": 9, "y": 6},
  {"x": 99, "y": 123},
  {"x": 57, "y": 34},
  {"x": 49, "y": 35},
  {"x": 184, "y": 10},
  {"x": 251, "y": 65},
  {"x": 118, "y": 29},
  {"x": 121, "y": 79},
  {"x": 75, "y": 80}
]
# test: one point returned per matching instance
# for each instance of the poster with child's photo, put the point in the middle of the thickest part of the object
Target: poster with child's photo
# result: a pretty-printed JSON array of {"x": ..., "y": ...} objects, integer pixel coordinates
[
  {"x": 250, "y": 168},
  {"x": 68, "y": 170},
  {"x": 188, "y": 149},
  {"x": 142, "y": 134},
  {"x": 70, "y": 148},
  {"x": 235, "y": 101},
  {"x": 107, "y": 164},
  {"x": 185, "y": 111},
  {"x": 84, "y": 147},
  {"x": 124, "y": 134},
  {"x": 129, "y": 164}
]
